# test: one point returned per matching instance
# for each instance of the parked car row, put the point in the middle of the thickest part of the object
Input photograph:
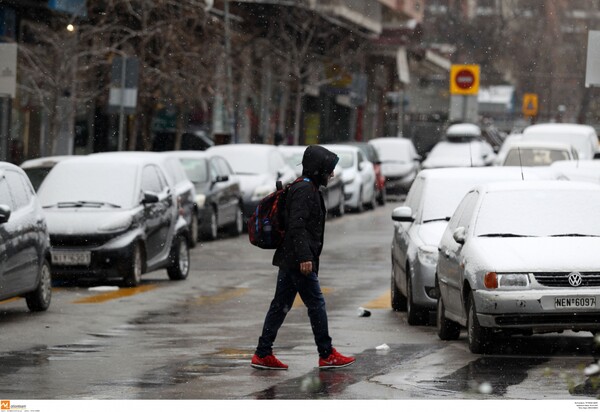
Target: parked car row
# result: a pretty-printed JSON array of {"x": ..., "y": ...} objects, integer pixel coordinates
[{"x": 498, "y": 251}]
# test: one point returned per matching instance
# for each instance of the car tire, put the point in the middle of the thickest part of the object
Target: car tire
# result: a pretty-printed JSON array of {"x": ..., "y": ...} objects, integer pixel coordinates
[
  {"x": 373, "y": 201},
  {"x": 360, "y": 206},
  {"x": 194, "y": 230},
  {"x": 132, "y": 275},
  {"x": 237, "y": 227},
  {"x": 446, "y": 328},
  {"x": 478, "y": 336},
  {"x": 212, "y": 230},
  {"x": 415, "y": 315},
  {"x": 39, "y": 299},
  {"x": 382, "y": 198},
  {"x": 179, "y": 260},
  {"x": 341, "y": 208},
  {"x": 398, "y": 301}
]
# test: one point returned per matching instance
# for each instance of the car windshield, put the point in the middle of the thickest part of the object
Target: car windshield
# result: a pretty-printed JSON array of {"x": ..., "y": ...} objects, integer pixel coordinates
[
  {"x": 195, "y": 169},
  {"x": 109, "y": 183},
  {"x": 393, "y": 152},
  {"x": 346, "y": 159},
  {"x": 244, "y": 163},
  {"x": 539, "y": 213},
  {"x": 534, "y": 156},
  {"x": 581, "y": 143}
]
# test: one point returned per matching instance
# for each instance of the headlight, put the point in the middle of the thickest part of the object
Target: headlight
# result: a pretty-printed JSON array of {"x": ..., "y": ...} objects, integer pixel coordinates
[
  {"x": 493, "y": 280},
  {"x": 428, "y": 255},
  {"x": 116, "y": 225},
  {"x": 200, "y": 199},
  {"x": 262, "y": 191}
]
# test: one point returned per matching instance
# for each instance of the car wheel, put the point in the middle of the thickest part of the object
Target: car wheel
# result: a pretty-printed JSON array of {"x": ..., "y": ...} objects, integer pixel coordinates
[
  {"x": 194, "y": 230},
  {"x": 373, "y": 202},
  {"x": 341, "y": 209},
  {"x": 398, "y": 301},
  {"x": 132, "y": 275},
  {"x": 360, "y": 206},
  {"x": 212, "y": 230},
  {"x": 415, "y": 315},
  {"x": 446, "y": 328},
  {"x": 238, "y": 225},
  {"x": 478, "y": 336},
  {"x": 39, "y": 299},
  {"x": 382, "y": 198},
  {"x": 179, "y": 261}
]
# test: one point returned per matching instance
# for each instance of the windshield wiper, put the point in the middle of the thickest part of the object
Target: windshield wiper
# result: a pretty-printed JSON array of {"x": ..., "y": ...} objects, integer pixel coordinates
[
  {"x": 504, "y": 235},
  {"x": 439, "y": 219},
  {"x": 574, "y": 235},
  {"x": 82, "y": 203}
]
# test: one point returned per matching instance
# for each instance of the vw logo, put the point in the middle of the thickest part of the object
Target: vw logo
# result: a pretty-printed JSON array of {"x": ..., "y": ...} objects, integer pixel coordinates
[{"x": 575, "y": 279}]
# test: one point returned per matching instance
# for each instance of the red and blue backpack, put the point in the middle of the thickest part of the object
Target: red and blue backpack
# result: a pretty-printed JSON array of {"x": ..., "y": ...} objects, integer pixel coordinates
[{"x": 266, "y": 226}]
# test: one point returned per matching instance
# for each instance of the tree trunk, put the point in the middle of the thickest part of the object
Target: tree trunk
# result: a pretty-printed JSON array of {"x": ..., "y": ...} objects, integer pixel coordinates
[{"x": 297, "y": 113}]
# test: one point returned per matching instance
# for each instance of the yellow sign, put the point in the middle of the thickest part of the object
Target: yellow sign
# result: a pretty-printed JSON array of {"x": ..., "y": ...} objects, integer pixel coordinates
[
  {"x": 530, "y": 104},
  {"x": 464, "y": 79}
]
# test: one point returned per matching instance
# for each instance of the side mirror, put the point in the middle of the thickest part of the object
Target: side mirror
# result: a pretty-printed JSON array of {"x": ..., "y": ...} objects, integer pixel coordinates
[
  {"x": 402, "y": 214},
  {"x": 4, "y": 213},
  {"x": 149, "y": 197},
  {"x": 220, "y": 179},
  {"x": 459, "y": 235}
]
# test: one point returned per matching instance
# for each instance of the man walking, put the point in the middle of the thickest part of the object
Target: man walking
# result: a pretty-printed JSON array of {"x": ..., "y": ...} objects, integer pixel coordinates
[{"x": 298, "y": 262}]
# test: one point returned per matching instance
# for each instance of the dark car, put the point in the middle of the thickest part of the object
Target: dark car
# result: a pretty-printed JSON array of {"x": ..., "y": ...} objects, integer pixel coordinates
[
  {"x": 371, "y": 153},
  {"x": 114, "y": 216},
  {"x": 218, "y": 193},
  {"x": 24, "y": 241}
]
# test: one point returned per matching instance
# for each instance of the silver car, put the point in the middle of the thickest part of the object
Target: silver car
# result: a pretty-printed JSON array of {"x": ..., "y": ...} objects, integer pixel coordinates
[
  {"x": 420, "y": 223},
  {"x": 520, "y": 257}
]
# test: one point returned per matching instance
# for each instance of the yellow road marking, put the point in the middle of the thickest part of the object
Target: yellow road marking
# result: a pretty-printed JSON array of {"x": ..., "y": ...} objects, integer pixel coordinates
[
  {"x": 2, "y": 302},
  {"x": 298, "y": 301},
  {"x": 221, "y": 297},
  {"x": 117, "y": 294},
  {"x": 382, "y": 302}
]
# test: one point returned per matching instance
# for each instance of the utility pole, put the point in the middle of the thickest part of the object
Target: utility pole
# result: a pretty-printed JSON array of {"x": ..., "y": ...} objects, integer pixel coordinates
[{"x": 230, "y": 112}]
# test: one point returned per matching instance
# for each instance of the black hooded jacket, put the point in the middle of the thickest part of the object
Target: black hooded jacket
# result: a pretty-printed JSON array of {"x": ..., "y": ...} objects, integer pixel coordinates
[{"x": 305, "y": 212}]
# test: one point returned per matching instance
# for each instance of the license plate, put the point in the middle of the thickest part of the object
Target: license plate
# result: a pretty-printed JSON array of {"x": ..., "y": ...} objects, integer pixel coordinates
[
  {"x": 71, "y": 258},
  {"x": 575, "y": 302}
]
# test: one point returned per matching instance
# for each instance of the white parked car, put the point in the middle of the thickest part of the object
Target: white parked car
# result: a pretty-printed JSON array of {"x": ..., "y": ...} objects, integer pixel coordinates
[
  {"x": 537, "y": 153},
  {"x": 582, "y": 137},
  {"x": 520, "y": 257},
  {"x": 259, "y": 167},
  {"x": 420, "y": 223},
  {"x": 358, "y": 176},
  {"x": 475, "y": 153},
  {"x": 579, "y": 170},
  {"x": 400, "y": 162}
]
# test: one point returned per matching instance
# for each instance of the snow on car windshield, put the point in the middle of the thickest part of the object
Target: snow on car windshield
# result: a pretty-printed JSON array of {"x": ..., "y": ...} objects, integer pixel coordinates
[
  {"x": 539, "y": 213},
  {"x": 195, "y": 169},
  {"x": 393, "y": 152},
  {"x": 98, "y": 182},
  {"x": 244, "y": 163}
]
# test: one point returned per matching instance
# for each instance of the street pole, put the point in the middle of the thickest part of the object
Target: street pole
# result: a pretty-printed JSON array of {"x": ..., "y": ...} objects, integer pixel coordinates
[
  {"x": 5, "y": 103},
  {"x": 122, "y": 107},
  {"x": 229, "y": 73}
]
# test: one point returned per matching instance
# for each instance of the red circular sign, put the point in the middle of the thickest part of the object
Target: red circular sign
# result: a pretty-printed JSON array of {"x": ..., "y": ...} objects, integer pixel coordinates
[{"x": 464, "y": 79}]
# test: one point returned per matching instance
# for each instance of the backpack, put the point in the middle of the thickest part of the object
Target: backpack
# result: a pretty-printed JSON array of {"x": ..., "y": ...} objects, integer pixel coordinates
[{"x": 266, "y": 226}]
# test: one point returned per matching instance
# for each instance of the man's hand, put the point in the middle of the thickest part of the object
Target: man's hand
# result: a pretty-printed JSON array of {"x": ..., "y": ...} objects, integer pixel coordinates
[{"x": 306, "y": 267}]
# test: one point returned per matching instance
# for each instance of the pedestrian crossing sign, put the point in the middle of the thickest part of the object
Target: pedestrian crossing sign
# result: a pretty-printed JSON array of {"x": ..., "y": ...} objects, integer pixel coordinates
[{"x": 530, "y": 104}]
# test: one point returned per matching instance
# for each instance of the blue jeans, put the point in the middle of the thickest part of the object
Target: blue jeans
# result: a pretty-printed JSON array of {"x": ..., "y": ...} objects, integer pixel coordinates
[{"x": 290, "y": 283}]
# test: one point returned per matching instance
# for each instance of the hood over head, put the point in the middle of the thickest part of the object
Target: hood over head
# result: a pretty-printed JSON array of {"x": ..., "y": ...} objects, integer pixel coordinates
[{"x": 318, "y": 163}]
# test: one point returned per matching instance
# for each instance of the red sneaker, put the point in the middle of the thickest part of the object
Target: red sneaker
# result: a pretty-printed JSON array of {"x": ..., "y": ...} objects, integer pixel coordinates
[
  {"x": 268, "y": 362},
  {"x": 335, "y": 360}
]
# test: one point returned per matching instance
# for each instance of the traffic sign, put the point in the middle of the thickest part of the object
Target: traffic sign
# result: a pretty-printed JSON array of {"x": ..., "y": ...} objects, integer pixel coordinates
[
  {"x": 464, "y": 79},
  {"x": 530, "y": 104}
]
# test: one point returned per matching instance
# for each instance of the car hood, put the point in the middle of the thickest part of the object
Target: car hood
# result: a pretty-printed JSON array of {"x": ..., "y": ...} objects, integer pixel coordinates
[
  {"x": 250, "y": 182},
  {"x": 390, "y": 168},
  {"x": 552, "y": 254},
  {"x": 74, "y": 221},
  {"x": 431, "y": 232}
]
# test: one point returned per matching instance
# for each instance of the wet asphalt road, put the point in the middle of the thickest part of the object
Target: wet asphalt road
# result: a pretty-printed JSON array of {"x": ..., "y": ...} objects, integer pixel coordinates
[{"x": 194, "y": 339}]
